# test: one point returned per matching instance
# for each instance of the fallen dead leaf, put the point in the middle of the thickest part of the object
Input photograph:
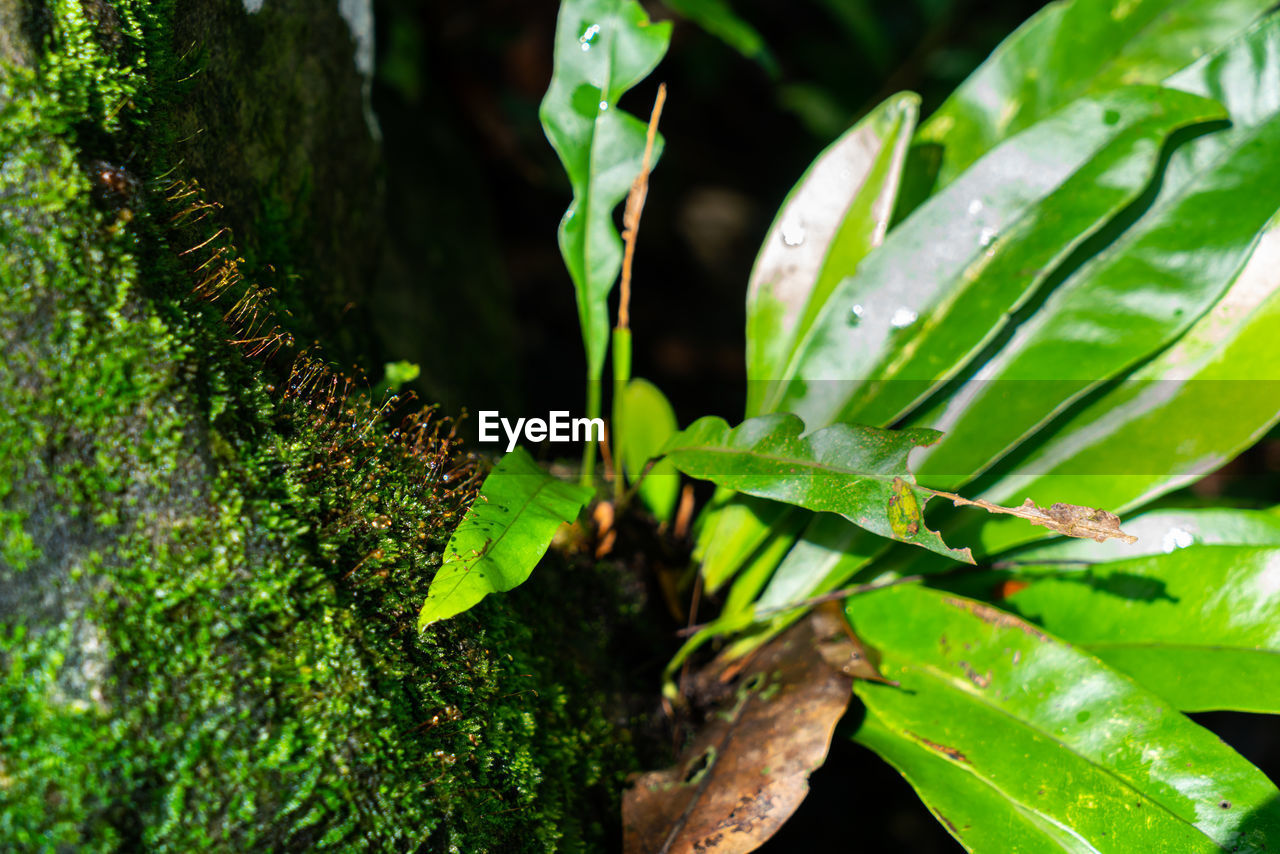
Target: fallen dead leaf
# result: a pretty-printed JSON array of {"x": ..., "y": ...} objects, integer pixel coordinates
[{"x": 747, "y": 769}]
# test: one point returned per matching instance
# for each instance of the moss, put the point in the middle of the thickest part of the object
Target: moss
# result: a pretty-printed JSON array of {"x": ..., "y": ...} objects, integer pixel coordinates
[{"x": 208, "y": 578}]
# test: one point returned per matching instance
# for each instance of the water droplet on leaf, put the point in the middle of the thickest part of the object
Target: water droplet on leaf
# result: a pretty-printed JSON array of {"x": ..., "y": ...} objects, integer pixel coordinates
[
  {"x": 902, "y": 317},
  {"x": 1176, "y": 538},
  {"x": 792, "y": 231}
]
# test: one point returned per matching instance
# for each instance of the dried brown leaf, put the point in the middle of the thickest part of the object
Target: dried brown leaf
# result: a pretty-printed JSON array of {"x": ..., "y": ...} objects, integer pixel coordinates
[
  {"x": 1071, "y": 520},
  {"x": 747, "y": 770}
]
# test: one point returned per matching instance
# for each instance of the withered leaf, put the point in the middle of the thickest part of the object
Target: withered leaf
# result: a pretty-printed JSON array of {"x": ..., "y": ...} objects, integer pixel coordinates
[
  {"x": 1071, "y": 520},
  {"x": 748, "y": 768},
  {"x": 1083, "y": 522}
]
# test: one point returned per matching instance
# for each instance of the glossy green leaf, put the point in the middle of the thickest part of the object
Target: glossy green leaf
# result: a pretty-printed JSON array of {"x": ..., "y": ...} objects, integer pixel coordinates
[
  {"x": 761, "y": 566},
  {"x": 602, "y": 49},
  {"x": 1021, "y": 742},
  {"x": 1162, "y": 531},
  {"x": 945, "y": 281},
  {"x": 1071, "y": 49},
  {"x": 719, "y": 19},
  {"x": 1200, "y": 625},
  {"x": 1219, "y": 384},
  {"x": 837, "y": 213},
  {"x": 502, "y": 537},
  {"x": 976, "y": 809},
  {"x": 754, "y": 571},
  {"x": 859, "y": 472},
  {"x": 1145, "y": 289},
  {"x": 648, "y": 421}
]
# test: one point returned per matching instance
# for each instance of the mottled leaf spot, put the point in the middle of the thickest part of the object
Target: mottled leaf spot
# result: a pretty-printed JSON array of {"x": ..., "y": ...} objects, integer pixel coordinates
[{"x": 904, "y": 510}]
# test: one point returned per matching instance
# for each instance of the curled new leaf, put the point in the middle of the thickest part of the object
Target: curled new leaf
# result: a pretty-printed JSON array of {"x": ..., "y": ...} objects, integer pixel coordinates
[{"x": 858, "y": 472}]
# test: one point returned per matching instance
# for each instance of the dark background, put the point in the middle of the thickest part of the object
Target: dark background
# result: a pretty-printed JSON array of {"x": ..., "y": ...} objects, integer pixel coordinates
[{"x": 472, "y": 286}]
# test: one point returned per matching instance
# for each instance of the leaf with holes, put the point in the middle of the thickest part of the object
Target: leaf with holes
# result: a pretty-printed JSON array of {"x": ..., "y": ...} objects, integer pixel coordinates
[
  {"x": 738, "y": 781},
  {"x": 858, "y": 472}
]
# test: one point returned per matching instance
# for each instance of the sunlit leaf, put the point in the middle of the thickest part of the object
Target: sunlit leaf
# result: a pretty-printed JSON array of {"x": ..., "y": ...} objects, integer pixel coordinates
[
  {"x": 1200, "y": 625},
  {"x": 732, "y": 528},
  {"x": 1219, "y": 384},
  {"x": 859, "y": 472},
  {"x": 1145, "y": 289},
  {"x": 503, "y": 536},
  {"x": 1019, "y": 741},
  {"x": 837, "y": 213},
  {"x": 829, "y": 553},
  {"x": 946, "y": 281},
  {"x": 1071, "y": 49}
]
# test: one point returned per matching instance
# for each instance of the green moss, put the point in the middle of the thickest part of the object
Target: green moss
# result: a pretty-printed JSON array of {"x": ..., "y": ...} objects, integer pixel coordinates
[{"x": 208, "y": 589}]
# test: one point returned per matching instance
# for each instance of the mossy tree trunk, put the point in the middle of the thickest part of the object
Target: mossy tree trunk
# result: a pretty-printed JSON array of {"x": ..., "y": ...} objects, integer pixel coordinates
[{"x": 210, "y": 567}]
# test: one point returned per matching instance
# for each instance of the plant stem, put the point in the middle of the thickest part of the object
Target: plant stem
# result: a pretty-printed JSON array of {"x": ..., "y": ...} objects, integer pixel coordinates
[
  {"x": 587, "y": 478},
  {"x": 622, "y": 332},
  {"x": 621, "y": 376}
]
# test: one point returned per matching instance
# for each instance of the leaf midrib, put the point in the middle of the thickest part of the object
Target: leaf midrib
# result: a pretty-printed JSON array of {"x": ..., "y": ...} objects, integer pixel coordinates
[
  {"x": 788, "y": 461},
  {"x": 491, "y": 544},
  {"x": 936, "y": 673},
  {"x": 1027, "y": 810}
]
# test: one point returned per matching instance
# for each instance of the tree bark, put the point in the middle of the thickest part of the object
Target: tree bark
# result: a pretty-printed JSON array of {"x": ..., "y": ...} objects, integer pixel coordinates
[{"x": 210, "y": 568}]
